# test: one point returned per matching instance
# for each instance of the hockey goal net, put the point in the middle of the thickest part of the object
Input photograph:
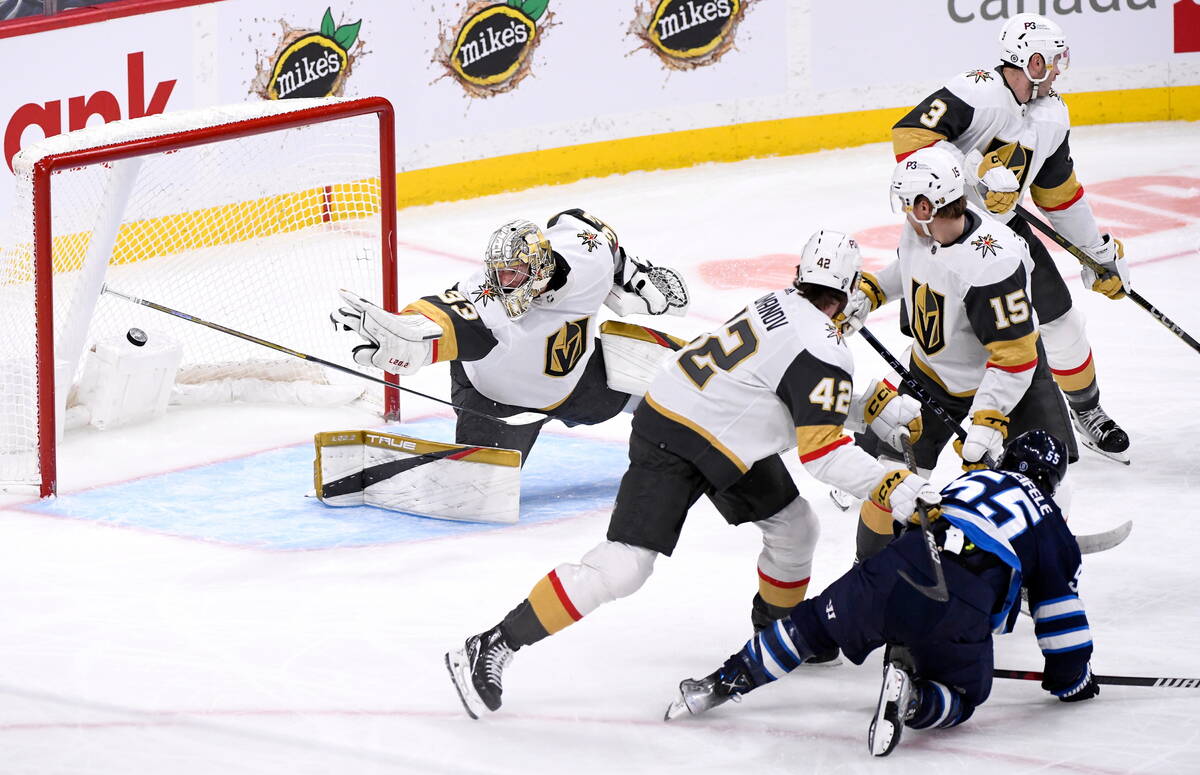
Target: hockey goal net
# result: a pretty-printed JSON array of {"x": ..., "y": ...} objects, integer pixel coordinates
[{"x": 250, "y": 216}]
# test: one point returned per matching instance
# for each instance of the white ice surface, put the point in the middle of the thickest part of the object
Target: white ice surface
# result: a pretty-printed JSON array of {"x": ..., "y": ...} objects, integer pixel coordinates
[{"x": 131, "y": 651}]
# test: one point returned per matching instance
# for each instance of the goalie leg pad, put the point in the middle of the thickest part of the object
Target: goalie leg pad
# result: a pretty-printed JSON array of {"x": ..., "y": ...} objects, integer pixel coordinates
[
  {"x": 633, "y": 355},
  {"x": 428, "y": 478}
]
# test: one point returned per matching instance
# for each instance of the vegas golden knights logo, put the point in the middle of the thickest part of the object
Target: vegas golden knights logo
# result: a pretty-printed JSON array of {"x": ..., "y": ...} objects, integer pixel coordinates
[
  {"x": 566, "y": 347},
  {"x": 1014, "y": 155},
  {"x": 929, "y": 318}
]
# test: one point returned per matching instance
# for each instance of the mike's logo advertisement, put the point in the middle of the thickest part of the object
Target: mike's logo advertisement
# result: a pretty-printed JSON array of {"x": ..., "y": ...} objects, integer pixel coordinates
[
  {"x": 488, "y": 51},
  {"x": 689, "y": 33},
  {"x": 309, "y": 63}
]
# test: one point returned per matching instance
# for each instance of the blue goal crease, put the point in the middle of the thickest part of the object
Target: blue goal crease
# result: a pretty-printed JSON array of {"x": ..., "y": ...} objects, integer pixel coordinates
[{"x": 260, "y": 500}]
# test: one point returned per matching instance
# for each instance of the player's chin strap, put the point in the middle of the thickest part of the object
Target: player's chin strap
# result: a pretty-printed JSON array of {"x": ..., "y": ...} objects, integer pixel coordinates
[
  {"x": 524, "y": 418},
  {"x": 1099, "y": 269}
]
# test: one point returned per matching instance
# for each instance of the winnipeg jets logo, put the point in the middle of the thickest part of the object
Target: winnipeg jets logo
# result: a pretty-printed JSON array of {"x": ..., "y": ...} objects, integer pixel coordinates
[
  {"x": 483, "y": 294},
  {"x": 986, "y": 244},
  {"x": 979, "y": 75},
  {"x": 592, "y": 241}
]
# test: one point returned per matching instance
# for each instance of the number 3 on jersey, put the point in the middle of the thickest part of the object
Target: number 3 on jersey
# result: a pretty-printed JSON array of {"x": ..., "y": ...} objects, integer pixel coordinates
[
  {"x": 712, "y": 350},
  {"x": 823, "y": 395}
]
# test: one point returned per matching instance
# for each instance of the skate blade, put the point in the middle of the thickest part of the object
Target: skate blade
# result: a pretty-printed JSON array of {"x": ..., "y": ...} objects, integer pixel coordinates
[
  {"x": 455, "y": 666},
  {"x": 1119, "y": 457},
  {"x": 843, "y": 500},
  {"x": 676, "y": 709}
]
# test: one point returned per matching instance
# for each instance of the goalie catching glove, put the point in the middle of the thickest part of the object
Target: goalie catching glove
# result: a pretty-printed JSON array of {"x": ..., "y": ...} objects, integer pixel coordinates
[
  {"x": 400, "y": 344},
  {"x": 899, "y": 491},
  {"x": 642, "y": 288},
  {"x": 1111, "y": 257}
]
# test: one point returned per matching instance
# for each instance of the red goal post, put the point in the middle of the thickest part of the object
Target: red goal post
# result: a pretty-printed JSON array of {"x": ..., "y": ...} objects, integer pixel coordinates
[{"x": 249, "y": 215}]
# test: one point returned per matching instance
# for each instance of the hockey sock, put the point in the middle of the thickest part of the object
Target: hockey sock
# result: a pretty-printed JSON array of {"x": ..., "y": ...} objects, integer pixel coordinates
[
  {"x": 775, "y": 650},
  {"x": 937, "y": 706},
  {"x": 521, "y": 626}
]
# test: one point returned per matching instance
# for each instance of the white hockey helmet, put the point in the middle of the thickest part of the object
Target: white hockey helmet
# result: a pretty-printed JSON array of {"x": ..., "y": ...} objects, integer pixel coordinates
[
  {"x": 1027, "y": 34},
  {"x": 518, "y": 265},
  {"x": 930, "y": 172},
  {"x": 830, "y": 259}
]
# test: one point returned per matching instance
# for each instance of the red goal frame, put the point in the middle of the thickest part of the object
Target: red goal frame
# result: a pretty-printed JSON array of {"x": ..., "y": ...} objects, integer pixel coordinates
[{"x": 43, "y": 250}]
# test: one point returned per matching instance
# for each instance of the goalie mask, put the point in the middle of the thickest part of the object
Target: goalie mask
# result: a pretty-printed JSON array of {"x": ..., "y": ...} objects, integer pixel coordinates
[
  {"x": 518, "y": 265},
  {"x": 830, "y": 259},
  {"x": 931, "y": 172},
  {"x": 1027, "y": 34}
]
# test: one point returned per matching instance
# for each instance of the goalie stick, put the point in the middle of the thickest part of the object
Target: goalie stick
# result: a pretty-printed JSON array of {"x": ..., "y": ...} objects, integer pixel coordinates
[
  {"x": 1096, "y": 267},
  {"x": 524, "y": 418},
  {"x": 1088, "y": 544},
  {"x": 1116, "y": 680}
]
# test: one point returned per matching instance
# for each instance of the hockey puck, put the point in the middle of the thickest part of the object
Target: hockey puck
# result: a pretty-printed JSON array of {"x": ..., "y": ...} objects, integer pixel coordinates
[{"x": 136, "y": 336}]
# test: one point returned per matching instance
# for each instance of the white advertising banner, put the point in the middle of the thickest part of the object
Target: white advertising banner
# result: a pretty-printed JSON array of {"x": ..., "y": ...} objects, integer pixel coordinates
[
  {"x": 913, "y": 41},
  {"x": 473, "y": 79}
]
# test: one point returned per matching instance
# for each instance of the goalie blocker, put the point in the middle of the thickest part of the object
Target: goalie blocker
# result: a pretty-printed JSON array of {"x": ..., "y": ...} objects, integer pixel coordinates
[{"x": 414, "y": 476}]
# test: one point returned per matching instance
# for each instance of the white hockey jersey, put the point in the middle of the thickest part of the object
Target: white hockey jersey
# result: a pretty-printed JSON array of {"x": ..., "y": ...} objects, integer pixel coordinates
[
  {"x": 977, "y": 111},
  {"x": 968, "y": 310},
  {"x": 775, "y": 376},
  {"x": 535, "y": 361}
]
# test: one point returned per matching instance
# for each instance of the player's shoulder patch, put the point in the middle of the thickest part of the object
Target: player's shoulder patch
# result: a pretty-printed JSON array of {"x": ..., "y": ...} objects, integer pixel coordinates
[
  {"x": 978, "y": 87},
  {"x": 996, "y": 251}
]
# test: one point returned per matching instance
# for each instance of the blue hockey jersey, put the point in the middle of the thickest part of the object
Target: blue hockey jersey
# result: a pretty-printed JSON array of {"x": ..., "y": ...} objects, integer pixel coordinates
[{"x": 1005, "y": 513}]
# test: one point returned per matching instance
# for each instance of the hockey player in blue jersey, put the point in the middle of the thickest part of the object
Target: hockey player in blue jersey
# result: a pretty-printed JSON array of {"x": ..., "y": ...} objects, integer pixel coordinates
[{"x": 999, "y": 531}]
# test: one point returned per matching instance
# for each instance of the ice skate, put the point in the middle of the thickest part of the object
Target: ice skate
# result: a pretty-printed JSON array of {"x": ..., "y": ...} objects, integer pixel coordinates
[
  {"x": 893, "y": 709},
  {"x": 1100, "y": 433},
  {"x": 697, "y": 696},
  {"x": 476, "y": 670},
  {"x": 842, "y": 499}
]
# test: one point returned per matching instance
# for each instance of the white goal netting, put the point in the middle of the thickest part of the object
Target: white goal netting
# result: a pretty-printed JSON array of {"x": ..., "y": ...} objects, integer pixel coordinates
[{"x": 226, "y": 214}]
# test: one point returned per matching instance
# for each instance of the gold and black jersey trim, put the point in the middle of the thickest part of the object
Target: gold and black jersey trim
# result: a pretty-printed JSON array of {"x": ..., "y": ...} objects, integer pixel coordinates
[
  {"x": 815, "y": 393},
  {"x": 1055, "y": 186},
  {"x": 683, "y": 437},
  {"x": 465, "y": 337},
  {"x": 1013, "y": 355},
  {"x": 940, "y": 116},
  {"x": 1001, "y": 311},
  {"x": 928, "y": 371}
]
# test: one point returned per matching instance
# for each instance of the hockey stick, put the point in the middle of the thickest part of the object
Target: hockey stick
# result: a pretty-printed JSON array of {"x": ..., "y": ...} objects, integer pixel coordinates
[
  {"x": 1088, "y": 544},
  {"x": 936, "y": 591},
  {"x": 931, "y": 403},
  {"x": 1096, "y": 267},
  {"x": 523, "y": 418},
  {"x": 1116, "y": 680}
]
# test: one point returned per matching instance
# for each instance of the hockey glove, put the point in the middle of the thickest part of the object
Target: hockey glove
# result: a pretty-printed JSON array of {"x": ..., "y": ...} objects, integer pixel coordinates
[
  {"x": 898, "y": 492},
  {"x": 864, "y": 299},
  {"x": 644, "y": 288},
  {"x": 1111, "y": 256},
  {"x": 1001, "y": 190},
  {"x": 985, "y": 439},
  {"x": 1083, "y": 687},
  {"x": 400, "y": 344},
  {"x": 891, "y": 415}
]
